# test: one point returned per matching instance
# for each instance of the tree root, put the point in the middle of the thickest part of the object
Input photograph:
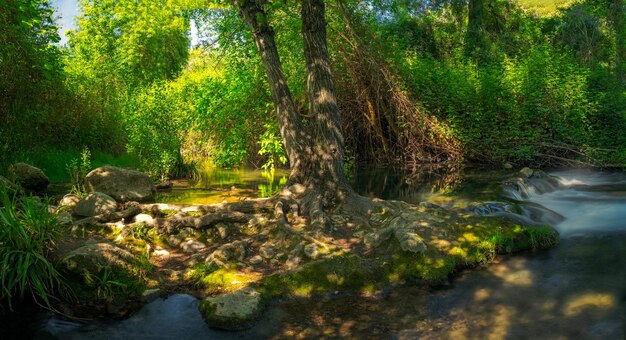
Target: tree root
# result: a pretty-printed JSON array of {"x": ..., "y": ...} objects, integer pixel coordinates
[{"x": 104, "y": 218}]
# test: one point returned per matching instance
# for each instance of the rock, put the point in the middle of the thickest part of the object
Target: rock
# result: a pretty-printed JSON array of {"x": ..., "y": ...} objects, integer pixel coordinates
[
  {"x": 121, "y": 184},
  {"x": 144, "y": 219},
  {"x": 192, "y": 246},
  {"x": 94, "y": 204},
  {"x": 69, "y": 200},
  {"x": 266, "y": 252},
  {"x": 526, "y": 172},
  {"x": 28, "y": 177},
  {"x": 64, "y": 218},
  {"x": 160, "y": 252},
  {"x": 232, "y": 311},
  {"x": 174, "y": 240},
  {"x": 230, "y": 252},
  {"x": 488, "y": 208},
  {"x": 92, "y": 265},
  {"x": 254, "y": 260},
  {"x": 150, "y": 295},
  {"x": 95, "y": 257},
  {"x": 310, "y": 250},
  {"x": 508, "y": 166},
  {"x": 223, "y": 230},
  {"x": 405, "y": 232}
]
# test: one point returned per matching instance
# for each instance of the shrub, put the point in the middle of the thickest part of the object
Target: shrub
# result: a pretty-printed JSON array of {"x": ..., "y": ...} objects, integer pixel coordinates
[{"x": 27, "y": 231}]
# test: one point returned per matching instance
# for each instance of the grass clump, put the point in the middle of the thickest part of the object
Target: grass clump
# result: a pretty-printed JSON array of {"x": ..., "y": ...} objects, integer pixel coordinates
[{"x": 27, "y": 233}]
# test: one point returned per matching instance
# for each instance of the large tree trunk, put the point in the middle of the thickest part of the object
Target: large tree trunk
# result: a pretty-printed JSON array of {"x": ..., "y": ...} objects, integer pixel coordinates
[
  {"x": 288, "y": 118},
  {"x": 326, "y": 163},
  {"x": 315, "y": 151}
]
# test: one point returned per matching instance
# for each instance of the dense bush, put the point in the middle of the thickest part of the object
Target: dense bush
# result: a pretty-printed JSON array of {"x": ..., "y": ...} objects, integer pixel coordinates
[{"x": 27, "y": 231}]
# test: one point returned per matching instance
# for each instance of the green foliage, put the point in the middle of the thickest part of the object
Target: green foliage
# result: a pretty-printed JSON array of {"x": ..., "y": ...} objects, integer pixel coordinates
[
  {"x": 272, "y": 146},
  {"x": 106, "y": 288},
  {"x": 153, "y": 128},
  {"x": 27, "y": 231},
  {"x": 271, "y": 187},
  {"x": 78, "y": 169}
]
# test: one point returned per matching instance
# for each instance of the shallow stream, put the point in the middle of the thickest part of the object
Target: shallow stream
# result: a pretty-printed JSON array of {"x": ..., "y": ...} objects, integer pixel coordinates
[{"x": 576, "y": 290}]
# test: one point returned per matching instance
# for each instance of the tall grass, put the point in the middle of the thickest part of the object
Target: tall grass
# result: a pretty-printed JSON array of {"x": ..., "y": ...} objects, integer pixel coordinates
[
  {"x": 55, "y": 162},
  {"x": 27, "y": 231}
]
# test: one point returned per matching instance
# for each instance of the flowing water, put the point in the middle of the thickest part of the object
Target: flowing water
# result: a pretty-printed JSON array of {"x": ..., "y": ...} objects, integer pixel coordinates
[{"x": 576, "y": 290}]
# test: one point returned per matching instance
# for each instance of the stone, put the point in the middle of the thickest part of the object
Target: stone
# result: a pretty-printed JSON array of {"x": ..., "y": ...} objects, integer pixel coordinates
[
  {"x": 232, "y": 311},
  {"x": 192, "y": 246},
  {"x": 28, "y": 177},
  {"x": 150, "y": 295},
  {"x": 223, "y": 230},
  {"x": 310, "y": 250},
  {"x": 230, "y": 252},
  {"x": 256, "y": 259},
  {"x": 526, "y": 172},
  {"x": 160, "y": 252},
  {"x": 266, "y": 252},
  {"x": 69, "y": 200},
  {"x": 88, "y": 265},
  {"x": 64, "y": 218},
  {"x": 174, "y": 240},
  {"x": 96, "y": 257},
  {"x": 121, "y": 184},
  {"x": 144, "y": 219},
  {"x": 508, "y": 166},
  {"x": 94, "y": 204}
]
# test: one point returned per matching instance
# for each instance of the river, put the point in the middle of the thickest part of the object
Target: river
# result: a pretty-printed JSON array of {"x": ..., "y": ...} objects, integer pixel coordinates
[{"x": 576, "y": 290}]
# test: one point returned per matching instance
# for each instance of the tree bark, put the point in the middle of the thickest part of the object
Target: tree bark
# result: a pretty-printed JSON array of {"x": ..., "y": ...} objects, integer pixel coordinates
[
  {"x": 289, "y": 121},
  {"x": 325, "y": 122},
  {"x": 315, "y": 151}
]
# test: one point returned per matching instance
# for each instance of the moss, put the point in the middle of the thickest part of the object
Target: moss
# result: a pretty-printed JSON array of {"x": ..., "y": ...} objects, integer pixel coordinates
[
  {"x": 344, "y": 272},
  {"x": 219, "y": 280},
  {"x": 474, "y": 241},
  {"x": 113, "y": 278}
]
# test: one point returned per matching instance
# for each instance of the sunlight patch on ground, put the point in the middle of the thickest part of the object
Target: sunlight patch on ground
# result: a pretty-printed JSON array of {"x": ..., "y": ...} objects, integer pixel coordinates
[
  {"x": 580, "y": 304},
  {"x": 519, "y": 277}
]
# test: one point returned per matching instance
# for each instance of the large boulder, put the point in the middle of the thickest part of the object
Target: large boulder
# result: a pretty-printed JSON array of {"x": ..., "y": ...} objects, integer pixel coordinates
[
  {"x": 95, "y": 204},
  {"x": 232, "y": 311},
  {"x": 121, "y": 184},
  {"x": 28, "y": 177},
  {"x": 103, "y": 271}
]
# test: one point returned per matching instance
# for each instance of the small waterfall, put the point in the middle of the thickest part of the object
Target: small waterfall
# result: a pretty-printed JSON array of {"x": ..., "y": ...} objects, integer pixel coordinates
[{"x": 573, "y": 202}]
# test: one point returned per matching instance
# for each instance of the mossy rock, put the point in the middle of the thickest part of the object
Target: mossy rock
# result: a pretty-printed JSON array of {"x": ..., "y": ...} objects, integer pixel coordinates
[
  {"x": 104, "y": 272},
  {"x": 233, "y": 311},
  {"x": 28, "y": 177}
]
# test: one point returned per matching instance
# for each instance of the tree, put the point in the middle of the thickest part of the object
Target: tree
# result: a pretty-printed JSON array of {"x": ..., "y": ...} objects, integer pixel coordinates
[{"x": 314, "y": 146}]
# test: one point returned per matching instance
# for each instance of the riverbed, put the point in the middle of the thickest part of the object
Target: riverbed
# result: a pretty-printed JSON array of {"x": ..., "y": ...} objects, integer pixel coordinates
[{"x": 575, "y": 290}]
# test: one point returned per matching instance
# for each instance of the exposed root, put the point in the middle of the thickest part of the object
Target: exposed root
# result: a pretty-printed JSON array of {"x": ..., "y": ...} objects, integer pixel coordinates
[
  {"x": 284, "y": 225},
  {"x": 125, "y": 214},
  {"x": 208, "y": 220}
]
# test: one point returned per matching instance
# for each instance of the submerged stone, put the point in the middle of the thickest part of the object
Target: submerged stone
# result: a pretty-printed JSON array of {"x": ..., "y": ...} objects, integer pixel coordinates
[{"x": 232, "y": 311}]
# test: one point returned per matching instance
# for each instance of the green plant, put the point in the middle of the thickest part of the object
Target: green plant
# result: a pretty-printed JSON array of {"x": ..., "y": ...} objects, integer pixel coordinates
[
  {"x": 140, "y": 232},
  {"x": 272, "y": 146},
  {"x": 77, "y": 169},
  {"x": 106, "y": 288},
  {"x": 27, "y": 232},
  {"x": 271, "y": 187}
]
